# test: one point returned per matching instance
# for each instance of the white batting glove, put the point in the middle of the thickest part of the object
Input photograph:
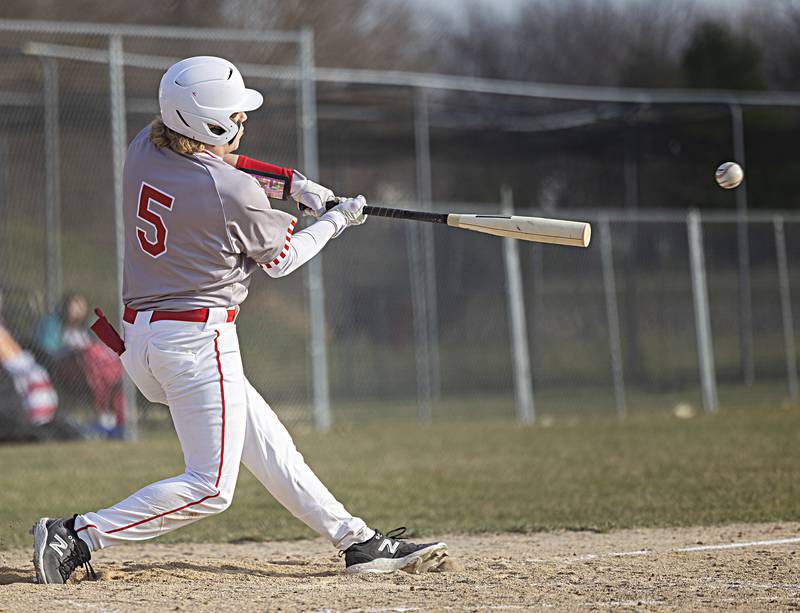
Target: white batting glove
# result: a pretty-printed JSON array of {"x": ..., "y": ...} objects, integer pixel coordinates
[
  {"x": 310, "y": 197},
  {"x": 352, "y": 209},
  {"x": 349, "y": 210}
]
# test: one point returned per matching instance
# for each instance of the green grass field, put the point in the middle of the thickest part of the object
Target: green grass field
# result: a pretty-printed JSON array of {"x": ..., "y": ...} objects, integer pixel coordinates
[{"x": 587, "y": 474}]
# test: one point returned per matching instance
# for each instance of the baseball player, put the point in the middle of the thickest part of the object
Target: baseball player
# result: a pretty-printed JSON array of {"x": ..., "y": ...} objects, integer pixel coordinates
[{"x": 198, "y": 224}]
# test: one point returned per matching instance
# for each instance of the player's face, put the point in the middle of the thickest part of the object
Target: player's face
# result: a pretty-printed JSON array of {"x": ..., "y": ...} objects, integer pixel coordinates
[{"x": 240, "y": 117}]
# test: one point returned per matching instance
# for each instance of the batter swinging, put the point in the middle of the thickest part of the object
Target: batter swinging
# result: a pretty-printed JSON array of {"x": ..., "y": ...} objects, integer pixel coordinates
[{"x": 197, "y": 225}]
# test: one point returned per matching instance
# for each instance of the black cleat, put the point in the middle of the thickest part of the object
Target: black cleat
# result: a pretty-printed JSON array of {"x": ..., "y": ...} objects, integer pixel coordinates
[
  {"x": 388, "y": 553},
  {"x": 58, "y": 550}
]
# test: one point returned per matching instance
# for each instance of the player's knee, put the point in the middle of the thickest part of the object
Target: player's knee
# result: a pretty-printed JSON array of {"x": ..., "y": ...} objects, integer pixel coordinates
[
  {"x": 223, "y": 500},
  {"x": 224, "y": 494},
  {"x": 217, "y": 502},
  {"x": 219, "y": 495}
]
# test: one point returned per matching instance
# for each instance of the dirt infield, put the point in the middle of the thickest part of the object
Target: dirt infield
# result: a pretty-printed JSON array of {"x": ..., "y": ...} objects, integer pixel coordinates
[{"x": 746, "y": 567}]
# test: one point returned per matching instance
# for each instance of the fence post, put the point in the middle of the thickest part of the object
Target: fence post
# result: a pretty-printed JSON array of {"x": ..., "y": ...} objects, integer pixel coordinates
[
  {"x": 702, "y": 318},
  {"x": 515, "y": 301},
  {"x": 786, "y": 307},
  {"x": 537, "y": 310},
  {"x": 317, "y": 344},
  {"x": 743, "y": 241},
  {"x": 422, "y": 146},
  {"x": 52, "y": 165},
  {"x": 422, "y": 354},
  {"x": 5, "y": 224},
  {"x": 119, "y": 138},
  {"x": 612, "y": 314}
]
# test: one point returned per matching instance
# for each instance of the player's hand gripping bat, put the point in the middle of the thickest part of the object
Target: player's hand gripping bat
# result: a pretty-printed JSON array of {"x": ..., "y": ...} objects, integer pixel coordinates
[{"x": 535, "y": 229}]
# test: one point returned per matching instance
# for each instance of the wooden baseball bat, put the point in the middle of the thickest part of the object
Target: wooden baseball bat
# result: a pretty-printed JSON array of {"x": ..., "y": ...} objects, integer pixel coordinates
[{"x": 535, "y": 229}]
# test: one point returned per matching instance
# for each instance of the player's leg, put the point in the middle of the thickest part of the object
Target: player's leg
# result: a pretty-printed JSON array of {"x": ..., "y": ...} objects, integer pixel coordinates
[
  {"x": 200, "y": 372},
  {"x": 270, "y": 454},
  {"x": 197, "y": 370}
]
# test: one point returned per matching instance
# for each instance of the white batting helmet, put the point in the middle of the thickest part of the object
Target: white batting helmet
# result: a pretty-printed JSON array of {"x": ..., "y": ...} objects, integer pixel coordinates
[{"x": 204, "y": 90}]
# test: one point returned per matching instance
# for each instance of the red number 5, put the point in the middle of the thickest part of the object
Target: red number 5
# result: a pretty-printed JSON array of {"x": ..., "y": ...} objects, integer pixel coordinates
[{"x": 148, "y": 193}]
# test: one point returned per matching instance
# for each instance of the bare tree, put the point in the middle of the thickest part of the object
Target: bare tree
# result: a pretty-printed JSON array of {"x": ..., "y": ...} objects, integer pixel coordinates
[
  {"x": 573, "y": 41},
  {"x": 775, "y": 28},
  {"x": 349, "y": 33}
]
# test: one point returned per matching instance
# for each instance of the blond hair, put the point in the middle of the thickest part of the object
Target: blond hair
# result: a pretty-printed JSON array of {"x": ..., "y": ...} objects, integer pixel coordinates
[{"x": 162, "y": 136}]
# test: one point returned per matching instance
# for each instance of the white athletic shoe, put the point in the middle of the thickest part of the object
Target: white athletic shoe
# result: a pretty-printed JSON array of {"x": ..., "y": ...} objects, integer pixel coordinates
[{"x": 388, "y": 553}]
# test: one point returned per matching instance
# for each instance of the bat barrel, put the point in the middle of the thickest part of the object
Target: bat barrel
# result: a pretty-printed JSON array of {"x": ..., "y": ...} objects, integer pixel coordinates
[{"x": 536, "y": 229}]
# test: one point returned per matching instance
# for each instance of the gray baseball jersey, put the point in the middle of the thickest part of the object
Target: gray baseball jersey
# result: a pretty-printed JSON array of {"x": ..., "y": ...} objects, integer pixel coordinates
[{"x": 195, "y": 229}]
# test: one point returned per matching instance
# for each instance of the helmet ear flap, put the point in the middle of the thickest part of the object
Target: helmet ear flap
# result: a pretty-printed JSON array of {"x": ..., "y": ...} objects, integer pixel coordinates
[
  {"x": 220, "y": 131},
  {"x": 216, "y": 129},
  {"x": 208, "y": 130},
  {"x": 238, "y": 129}
]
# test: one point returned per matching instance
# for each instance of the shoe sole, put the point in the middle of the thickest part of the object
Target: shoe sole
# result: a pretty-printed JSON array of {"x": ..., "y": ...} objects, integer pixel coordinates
[
  {"x": 415, "y": 563},
  {"x": 39, "y": 532}
]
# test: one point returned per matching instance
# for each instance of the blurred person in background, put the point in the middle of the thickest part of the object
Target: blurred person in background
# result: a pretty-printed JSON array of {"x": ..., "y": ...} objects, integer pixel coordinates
[
  {"x": 65, "y": 333},
  {"x": 28, "y": 402},
  {"x": 79, "y": 361},
  {"x": 34, "y": 393}
]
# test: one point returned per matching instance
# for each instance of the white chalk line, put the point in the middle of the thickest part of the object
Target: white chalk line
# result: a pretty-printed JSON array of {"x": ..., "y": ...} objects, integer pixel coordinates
[
  {"x": 499, "y": 607},
  {"x": 784, "y": 541},
  {"x": 613, "y": 554},
  {"x": 604, "y": 604},
  {"x": 692, "y": 549}
]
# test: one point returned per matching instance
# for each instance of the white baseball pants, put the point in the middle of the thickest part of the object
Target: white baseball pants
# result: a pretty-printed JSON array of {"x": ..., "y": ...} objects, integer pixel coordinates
[{"x": 221, "y": 420}]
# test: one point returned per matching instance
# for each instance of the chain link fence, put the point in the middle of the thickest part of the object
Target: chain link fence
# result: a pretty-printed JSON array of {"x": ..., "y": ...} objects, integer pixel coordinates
[
  {"x": 71, "y": 102},
  {"x": 613, "y": 328},
  {"x": 396, "y": 321}
]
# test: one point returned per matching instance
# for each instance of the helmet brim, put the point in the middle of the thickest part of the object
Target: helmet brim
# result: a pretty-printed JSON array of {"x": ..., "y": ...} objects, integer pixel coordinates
[{"x": 252, "y": 100}]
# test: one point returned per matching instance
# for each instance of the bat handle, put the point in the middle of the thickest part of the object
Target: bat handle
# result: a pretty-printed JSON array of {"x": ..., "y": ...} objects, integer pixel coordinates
[
  {"x": 368, "y": 210},
  {"x": 328, "y": 205},
  {"x": 380, "y": 211}
]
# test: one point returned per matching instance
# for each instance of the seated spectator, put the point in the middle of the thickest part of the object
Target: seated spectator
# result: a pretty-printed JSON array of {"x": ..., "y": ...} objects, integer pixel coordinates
[
  {"x": 31, "y": 381},
  {"x": 81, "y": 361},
  {"x": 65, "y": 333},
  {"x": 28, "y": 402}
]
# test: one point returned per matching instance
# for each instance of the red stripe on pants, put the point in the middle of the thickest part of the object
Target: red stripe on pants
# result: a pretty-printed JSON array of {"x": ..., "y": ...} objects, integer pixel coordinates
[{"x": 222, "y": 396}]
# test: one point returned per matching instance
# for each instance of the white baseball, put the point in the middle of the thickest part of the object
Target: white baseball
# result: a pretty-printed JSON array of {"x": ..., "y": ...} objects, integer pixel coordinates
[{"x": 729, "y": 175}]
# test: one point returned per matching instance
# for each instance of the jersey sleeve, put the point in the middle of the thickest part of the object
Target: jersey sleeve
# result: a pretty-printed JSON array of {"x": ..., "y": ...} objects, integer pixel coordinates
[
  {"x": 306, "y": 244},
  {"x": 256, "y": 229}
]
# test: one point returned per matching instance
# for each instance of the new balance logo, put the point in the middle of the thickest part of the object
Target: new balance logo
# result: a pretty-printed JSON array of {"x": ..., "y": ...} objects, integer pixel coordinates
[
  {"x": 387, "y": 544},
  {"x": 60, "y": 547}
]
